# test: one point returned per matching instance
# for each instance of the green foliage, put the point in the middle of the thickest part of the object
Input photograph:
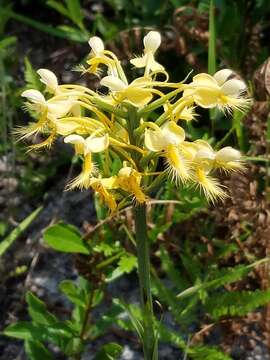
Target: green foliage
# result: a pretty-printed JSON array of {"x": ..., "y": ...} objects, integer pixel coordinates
[
  {"x": 31, "y": 77},
  {"x": 35, "y": 350},
  {"x": 65, "y": 238},
  {"x": 236, "y": 303},
  {"x": 109, "y": 351},
  {"x": 9, "y": 240},
  {"x": 69, "y": 335},
  {"x": 207, "y": 353}
]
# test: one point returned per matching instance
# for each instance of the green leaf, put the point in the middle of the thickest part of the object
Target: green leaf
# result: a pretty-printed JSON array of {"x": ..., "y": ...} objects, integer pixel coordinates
[
  {"x": 206, "y": 353},
  {"x": 73, "y": 33},
  {"x": 8, "y": 41},
  {"x": 127, "y": 263},
  {"x": 74, "y": 346},
  {"x": 73, "y": 293},
  {"x": 47, "y": 28},
  {"x": 58, "y": 7},
  {"x": 75, "y": 13},
  {"x": 65, "y": 238},
  {"x": 35, "y": 350},
  {"x": 38, "y": 312},
  {"x": 236, "y": 303},
  {"x": 226, "y": 276},
  {"x": 31, "y": 77},
  {"x": 111, "y": 351},
  {"x": 24, "y": 330},
  {"x": 7, "y": 242}
]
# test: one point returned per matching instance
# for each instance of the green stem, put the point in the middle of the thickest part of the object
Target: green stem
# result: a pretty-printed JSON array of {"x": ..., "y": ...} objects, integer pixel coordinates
[{"x": 149, "y": 338}]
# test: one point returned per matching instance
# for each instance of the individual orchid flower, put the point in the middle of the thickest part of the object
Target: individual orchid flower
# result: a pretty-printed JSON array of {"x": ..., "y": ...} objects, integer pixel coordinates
[
  {"x": 136, "y": 93},
  {"x": 203, "y": 163},
  {"x": 129, "y": 180},
  {"x": 48, "y": 78},
  {"x": 218, "y": 90},
  {"x": 99, "y": 56},
  {"x": 228, "y": 159},
  {"x": 53, "y": 109},
  {"x": 168, "y": 139},
  {"x": 205, "y": 160},
  {"x": 47, "y": 112},
  {"x": 85, "y": 147},
  {"x": 151, "y": 42}
]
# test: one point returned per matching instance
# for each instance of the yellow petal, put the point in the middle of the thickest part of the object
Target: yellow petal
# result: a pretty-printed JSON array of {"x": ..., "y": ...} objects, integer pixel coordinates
[
  {"x": 48, "y": 78},
  {"x": 97, "y": 144},
  {"x": 78, "y": 141},
  {"x": 222, "y": 75},
  {"x": 66, "y": 127},
  {"x": 153, "y": 64},
  {"x": 206, "y": 97},
  {"x": 228, "y": 154},
  {"x": 152, "y": 41},
  {"x": 59, "y": 108},
  {"x": 154, "y": 140},
  {"x": 205, "y": 80},
  {"x": 34, "y": 96},
  {"x": 172, "y": 133},
  {"x": 205, "y": 160},
  {"x": 138, "y": 97},
  {"x": 113, "y": 83},
  {"x": 96, "y": 45},
  {"x": 177, "y": 166},
  {"x": 139, "y": 62},
  {"x": 233, "y": 87}
]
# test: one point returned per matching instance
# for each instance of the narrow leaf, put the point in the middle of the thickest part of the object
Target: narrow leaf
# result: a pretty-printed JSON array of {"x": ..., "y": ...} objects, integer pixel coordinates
[
  {"x": 38, "y": 312},
  {"x": 111, "y": 351},
  {"x": 35, "y": 350},
  {"x": 7, "y": 242}
]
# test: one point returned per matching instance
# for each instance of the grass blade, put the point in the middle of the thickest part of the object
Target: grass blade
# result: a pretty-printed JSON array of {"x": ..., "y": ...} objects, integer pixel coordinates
[{"x": 8, "y": 241}]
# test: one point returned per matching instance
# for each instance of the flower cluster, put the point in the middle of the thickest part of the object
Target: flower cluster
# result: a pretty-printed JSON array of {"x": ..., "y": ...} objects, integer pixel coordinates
[{"x": 135, "y": 122}]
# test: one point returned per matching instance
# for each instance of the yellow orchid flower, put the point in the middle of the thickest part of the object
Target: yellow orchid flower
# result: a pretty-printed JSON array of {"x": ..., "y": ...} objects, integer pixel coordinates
[
  {"x": 228, "y": 159},
  {"x": 151, "y": 42},
  {"x": 47, "y": 112},
  {"x": 136, "y": 93},
  {"x": 48, "y": 78},
  {"x": 86, "y": 147},
  {"x": 203, "y": 163},
  {"x": 168, "y": 138},
  {"x": 129, "y": 180},
  {"x": 53, "y": 109},
  {"x": 210, "y": 91},
  {"x": 99, "y": 56}
]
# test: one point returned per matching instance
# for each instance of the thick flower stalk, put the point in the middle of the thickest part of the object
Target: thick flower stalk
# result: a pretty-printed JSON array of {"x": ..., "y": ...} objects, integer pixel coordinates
[{"x": 120, "y": 121}]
